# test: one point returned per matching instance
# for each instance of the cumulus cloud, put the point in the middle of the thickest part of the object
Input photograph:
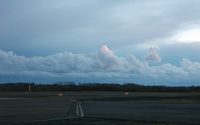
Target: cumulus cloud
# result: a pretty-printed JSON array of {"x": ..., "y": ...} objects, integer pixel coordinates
[
  {"x": 103, "y": 64},
  {"x": 192, "y": 68},
  {"x": 108, "y": 59},
  {"x": 153, "y": 55},
  {"x": 135, "y": 66}
]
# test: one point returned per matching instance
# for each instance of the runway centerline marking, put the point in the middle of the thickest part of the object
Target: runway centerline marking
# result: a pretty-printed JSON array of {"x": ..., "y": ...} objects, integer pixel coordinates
[
  {"x": 79, "y": 110},
  {"x": 79, "y": 113}
]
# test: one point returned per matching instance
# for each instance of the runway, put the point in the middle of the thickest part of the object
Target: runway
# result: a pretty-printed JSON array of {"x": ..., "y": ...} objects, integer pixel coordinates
[{"x": 79, "y": 108}]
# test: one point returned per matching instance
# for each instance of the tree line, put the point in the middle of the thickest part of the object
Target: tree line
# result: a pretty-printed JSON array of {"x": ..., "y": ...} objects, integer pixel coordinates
[{"x": 70, "y": 86}]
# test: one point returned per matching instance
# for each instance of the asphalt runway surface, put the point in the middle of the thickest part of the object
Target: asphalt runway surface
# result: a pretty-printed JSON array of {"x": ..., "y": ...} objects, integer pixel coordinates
[
  {"x": 144, "y": 111},
  {"x": 100, "y": 108},
  {"x": 24, "y": 110}
]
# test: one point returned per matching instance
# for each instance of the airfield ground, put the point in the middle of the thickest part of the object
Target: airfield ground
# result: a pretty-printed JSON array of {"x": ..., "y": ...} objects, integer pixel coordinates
[{"x": 99, "y": 108}]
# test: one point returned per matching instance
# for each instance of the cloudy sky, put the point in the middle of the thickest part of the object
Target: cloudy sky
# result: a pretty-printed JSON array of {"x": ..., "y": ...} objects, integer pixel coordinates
[{"x": 142, "y": 41}]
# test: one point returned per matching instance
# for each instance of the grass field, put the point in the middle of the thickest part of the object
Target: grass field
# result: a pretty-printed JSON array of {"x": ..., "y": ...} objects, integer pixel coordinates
[{"x": 100, "y": 108}]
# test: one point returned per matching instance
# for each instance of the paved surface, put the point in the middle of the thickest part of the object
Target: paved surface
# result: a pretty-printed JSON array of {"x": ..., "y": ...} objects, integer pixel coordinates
[
  {"x": 25, "y": 110},
  {"x": 99, "y": 108},
  {"x": 144, "y": 111},
  {"x": 75, "y": 110}
]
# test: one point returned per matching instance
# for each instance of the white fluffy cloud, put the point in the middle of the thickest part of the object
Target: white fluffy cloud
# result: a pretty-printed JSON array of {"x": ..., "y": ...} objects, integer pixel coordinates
[
  {"x": 153, "y": 55},
  {"x": 104, "y": 64},
  {"x": 108, "y": 59},
  {"x": 192, "y": 68}
]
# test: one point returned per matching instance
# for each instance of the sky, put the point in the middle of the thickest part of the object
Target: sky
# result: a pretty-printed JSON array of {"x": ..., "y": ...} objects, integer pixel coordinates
[{"x": 151, "y": 42}]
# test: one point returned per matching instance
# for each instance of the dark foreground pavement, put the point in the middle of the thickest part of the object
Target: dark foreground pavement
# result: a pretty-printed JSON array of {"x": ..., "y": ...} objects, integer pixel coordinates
[
  {"x": 105, "y": 109},
  {"x": 144, "y": 111}
]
